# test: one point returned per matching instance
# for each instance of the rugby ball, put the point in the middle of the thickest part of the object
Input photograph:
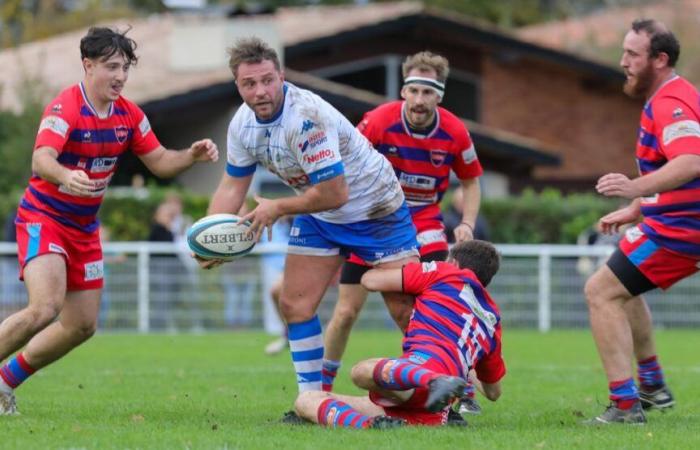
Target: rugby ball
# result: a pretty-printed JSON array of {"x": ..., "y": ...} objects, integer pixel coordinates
[{"x": 220, "y": 236}]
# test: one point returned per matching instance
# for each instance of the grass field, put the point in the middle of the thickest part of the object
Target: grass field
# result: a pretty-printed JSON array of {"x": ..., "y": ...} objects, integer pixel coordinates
[{"x": 220, "y": 391}]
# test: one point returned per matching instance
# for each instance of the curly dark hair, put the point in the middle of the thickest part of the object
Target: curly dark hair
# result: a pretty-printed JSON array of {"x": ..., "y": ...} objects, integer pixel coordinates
[
  {"x": 102, "y": 43},
  {"x": 481, "y": 257}
]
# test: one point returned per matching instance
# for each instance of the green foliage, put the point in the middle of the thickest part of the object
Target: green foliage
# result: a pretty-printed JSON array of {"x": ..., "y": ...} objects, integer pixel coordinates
[
  {"x": 128, "y": 217},
  {"x": 547, "y": 217}
]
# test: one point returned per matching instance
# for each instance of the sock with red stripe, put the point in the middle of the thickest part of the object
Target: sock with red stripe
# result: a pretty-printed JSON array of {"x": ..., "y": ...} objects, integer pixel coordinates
[
  {"x": 650, "y": 374},
  {"x": 328, "y": 373},
  {"x": 16, "y": 371},
  {"x": 624, "y": 393},
  {"x": 335, "y": 413},
  {"x": 401, "y": 375}
]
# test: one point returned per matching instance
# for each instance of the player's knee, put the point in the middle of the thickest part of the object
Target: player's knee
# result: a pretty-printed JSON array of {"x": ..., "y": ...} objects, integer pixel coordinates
[
  {"x": 42, "y": 315},
  {"x": 84, "y": 331},
  {"x": 593, "y": 290},
  {"x": 361, "y": 374},
  {"x": 345, "y": 317},
  {"x": 295, "y": 311}
]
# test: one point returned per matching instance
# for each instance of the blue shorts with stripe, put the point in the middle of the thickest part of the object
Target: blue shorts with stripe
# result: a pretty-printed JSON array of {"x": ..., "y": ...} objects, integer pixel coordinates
[{"x": 387, "y": 238}]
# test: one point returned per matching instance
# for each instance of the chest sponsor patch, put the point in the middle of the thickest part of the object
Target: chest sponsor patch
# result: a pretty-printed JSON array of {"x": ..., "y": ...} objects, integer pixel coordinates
[
  {"x": 680, "y": 129},
  {"x": 417, "y": 181},
  {"x": 54, "y": 124}
]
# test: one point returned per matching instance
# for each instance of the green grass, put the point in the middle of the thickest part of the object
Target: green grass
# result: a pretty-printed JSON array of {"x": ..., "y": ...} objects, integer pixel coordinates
[{"x": 220, "y": 391}]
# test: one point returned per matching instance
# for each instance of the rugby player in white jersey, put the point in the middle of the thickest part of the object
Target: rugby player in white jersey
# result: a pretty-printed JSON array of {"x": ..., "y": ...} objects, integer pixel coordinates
[{"x": 348, "y": 197}]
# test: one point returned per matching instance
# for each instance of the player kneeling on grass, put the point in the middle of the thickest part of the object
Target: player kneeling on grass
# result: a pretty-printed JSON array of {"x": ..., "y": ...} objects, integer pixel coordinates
[{"x": 455, "y": 327}]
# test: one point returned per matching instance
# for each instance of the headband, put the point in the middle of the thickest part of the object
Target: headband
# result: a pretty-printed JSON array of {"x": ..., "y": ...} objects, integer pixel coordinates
[{"x": 431, "y": 83}]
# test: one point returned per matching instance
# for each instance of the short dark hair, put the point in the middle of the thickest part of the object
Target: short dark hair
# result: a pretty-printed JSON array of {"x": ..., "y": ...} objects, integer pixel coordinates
[
  {"x": 251, "y": 50},
  {"x": 661, "y": 39},
  {"x": 480, "y": 257},
  {"x": 102, "y": 43}
]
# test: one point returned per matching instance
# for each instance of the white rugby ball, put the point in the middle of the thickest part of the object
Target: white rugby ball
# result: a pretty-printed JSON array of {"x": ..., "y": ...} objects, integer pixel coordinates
[{"x": 220, "y": 236}]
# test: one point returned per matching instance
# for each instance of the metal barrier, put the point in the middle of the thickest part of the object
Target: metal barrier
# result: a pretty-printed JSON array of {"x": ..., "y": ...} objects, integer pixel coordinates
[{"x": 157, "y": 287}]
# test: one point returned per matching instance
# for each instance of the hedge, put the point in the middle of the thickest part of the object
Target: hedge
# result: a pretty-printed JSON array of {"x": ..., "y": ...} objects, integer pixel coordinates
[{"x": 530, "y": 218}]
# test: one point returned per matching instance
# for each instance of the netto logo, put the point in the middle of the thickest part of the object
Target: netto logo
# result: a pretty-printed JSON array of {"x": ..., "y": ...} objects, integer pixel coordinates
[{"x": 318, "y": 156}]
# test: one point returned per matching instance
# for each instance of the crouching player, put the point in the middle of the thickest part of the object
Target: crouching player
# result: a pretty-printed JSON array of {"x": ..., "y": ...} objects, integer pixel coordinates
[{"x": 455, "y": 327}]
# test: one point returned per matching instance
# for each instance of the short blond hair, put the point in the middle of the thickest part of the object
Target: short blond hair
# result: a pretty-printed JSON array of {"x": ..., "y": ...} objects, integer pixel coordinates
[
  {"x": 251, "y": 50},
  {"x": 426, "y": 61}
]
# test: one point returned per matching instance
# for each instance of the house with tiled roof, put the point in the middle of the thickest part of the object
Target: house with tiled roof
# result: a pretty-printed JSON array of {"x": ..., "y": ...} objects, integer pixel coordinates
[{"x": 539, "y": 116}]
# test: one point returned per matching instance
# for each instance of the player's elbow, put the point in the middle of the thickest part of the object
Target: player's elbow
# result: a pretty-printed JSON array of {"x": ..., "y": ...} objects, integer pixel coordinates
[{"x": 492, "y": 391}]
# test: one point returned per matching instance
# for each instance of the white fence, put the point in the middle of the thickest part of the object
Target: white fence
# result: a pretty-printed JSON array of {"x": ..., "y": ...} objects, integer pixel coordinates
[{"x": 156, "y": 287}]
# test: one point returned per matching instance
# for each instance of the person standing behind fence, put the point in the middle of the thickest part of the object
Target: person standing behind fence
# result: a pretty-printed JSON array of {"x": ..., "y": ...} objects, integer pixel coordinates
[
  {"x": 665, "y": 247},
  {"x": 81, "y": 136}
]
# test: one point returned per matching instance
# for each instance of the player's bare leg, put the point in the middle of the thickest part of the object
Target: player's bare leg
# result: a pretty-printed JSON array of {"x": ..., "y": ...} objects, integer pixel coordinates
[
  {"x": 279, "y": 344},
  {"x": 76, "y": 324},
  {"x": 351, "y": 299},
  {"x": 653, "y": 392},
  {"x": 45, "y": 278},
  {"x": 305, "y": 281},
  {"x": 612, "y": 333}
]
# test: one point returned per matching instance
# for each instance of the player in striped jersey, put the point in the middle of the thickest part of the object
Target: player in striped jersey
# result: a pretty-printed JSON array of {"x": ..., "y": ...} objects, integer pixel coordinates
[
  {"x": 665, "y": 247},
  {"x": 455, "y": 327},
  {"x": 82, "y": 134},
  {"x": 424, "y": 143}
]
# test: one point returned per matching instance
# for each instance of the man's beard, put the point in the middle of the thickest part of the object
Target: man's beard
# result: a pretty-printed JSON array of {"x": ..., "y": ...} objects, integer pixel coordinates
[{"x": 642, "y": 84}]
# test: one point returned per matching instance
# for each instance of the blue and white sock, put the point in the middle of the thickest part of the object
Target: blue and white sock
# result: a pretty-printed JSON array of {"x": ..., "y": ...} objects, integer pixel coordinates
[{"x": 306, "y": 345}]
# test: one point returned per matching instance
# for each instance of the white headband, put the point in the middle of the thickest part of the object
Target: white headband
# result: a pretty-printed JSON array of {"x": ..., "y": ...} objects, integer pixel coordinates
[{"x": 431, "y": 83}]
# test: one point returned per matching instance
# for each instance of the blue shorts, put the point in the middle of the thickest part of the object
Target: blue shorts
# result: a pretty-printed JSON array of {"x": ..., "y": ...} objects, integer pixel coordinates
[{"x": 388, "y": 238}]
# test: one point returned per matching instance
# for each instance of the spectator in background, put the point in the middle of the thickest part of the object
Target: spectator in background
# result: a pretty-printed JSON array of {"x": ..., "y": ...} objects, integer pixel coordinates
[{"x": 452, "y": 218}]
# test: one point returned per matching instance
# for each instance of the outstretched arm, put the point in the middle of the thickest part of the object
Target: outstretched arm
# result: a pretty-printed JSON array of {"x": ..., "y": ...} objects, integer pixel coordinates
[
  {"x": 166, "y": 163},
  {"x": 385, "y": 280}
]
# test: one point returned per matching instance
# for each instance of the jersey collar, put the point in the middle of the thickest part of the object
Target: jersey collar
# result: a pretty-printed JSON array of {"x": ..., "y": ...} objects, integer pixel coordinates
[
  {"x": 91, "y": 107},
  {"x": 416, "y": 133}
]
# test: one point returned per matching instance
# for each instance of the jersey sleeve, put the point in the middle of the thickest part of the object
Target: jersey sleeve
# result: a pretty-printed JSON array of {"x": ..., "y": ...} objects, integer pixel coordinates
[
  {"x": 466, "y": 162},
  {"x": 144, "y": 140},
  {"x": 239, "y": 162},
  {"x": 491, "y": 368},
  {"x": 56, "y": 124},
  {"x": 368, "y": 127},
  {"x": 418, "y": 276},
  {"x": 677, "y": 127},
  {"x": 316, "y": 147}
]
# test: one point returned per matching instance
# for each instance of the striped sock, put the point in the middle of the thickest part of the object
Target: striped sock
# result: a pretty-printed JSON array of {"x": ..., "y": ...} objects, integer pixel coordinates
[
  {"x": 650, "y": 374},
  {"x": 624, "y": 393},
  {"x": 306, "y": 345},
  {"x": 334, "y": 413},
  {"x": 469, "y": 391},
  {"x": 16, "y": 371},
  {"x": 328, "y": 374},
  {"x": 401, "y": 375}
]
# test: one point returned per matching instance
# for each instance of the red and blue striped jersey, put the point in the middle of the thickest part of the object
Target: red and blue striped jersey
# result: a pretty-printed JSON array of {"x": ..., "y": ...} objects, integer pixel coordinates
[
  {"x": 71, "y": 126},
  {"x": 669, "y": 127},
  {"x": 454, "y": 319},
  {"x": 422, "y": 161}
]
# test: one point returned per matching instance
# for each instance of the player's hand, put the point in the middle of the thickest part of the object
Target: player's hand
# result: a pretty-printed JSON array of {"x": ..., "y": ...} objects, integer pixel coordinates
[
  {"x": 617, "y": 185},
  {"x": 78, "y": 183},
  {"x": 611, "y": 223},
  {"x": 207, "y": 264},
  {"x": 204, "y": 150},
  {"x": 264, "y": 215},
  {"x": 463, "y": 232}
]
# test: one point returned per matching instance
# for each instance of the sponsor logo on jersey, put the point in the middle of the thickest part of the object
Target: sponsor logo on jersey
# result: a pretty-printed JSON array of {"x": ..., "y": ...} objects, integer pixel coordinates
[
  {"x": 678, "y": 112},
  {"x": 101, "y": 165},
  {"x": 57, "y": 108},
  {"x": 87, "y": 136},
  {"x": 430, "y": 237},
  {"x": 681, "y": 129},
  {"x": 418, "y": 358},
  {"x": 55, "y": 124},
  {"x": 430, "y": 266},
  {"x": 144, "y": 126},
  {"x": 317, "y": 139},
  {"x": 94, "y": 270},
  {"x": 633, "y": 234},
  {"x": 55, "y": 248},
  {"x": 307, "y": 126},
  {"x": 330, "y": 415},
  {"x": 437, "y": 157},
  {"x": 319, "y": 156},
  {"x": 121, "y": 132},
  {"x": 469, "y": 155},
  {"x": 392, "y": 150},
  {"x": 417, "y": 181},
  {"x": 82, "y": 163},
  {"x": 304, "y": 146}
]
